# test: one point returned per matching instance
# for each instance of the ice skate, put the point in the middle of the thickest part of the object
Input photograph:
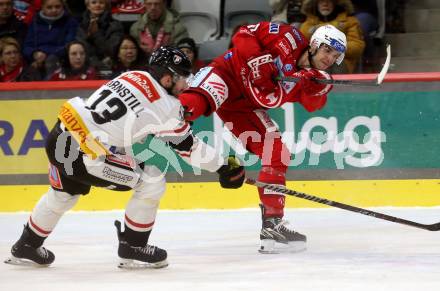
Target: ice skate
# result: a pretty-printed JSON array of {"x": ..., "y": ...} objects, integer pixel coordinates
[
  {"x": 139, "y": 257},
  {"x": 26, "y": 254},
  {"x": 277, "y": 236}
]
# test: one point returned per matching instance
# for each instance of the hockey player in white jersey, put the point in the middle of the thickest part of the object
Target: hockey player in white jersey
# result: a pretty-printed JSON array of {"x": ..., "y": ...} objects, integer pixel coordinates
[{"x": 91, "y": 146}]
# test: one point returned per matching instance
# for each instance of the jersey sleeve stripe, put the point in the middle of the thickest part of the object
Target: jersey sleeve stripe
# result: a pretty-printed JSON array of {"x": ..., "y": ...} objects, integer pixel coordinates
[{"x": 175, "y": 132}]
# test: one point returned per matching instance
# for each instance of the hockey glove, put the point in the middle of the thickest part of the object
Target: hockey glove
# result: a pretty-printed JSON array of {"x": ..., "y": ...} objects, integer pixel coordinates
[
  {"x": 263, "y": 73},
  {"x": 308, "y": 84},
  {"x": 231, "y": 176}
]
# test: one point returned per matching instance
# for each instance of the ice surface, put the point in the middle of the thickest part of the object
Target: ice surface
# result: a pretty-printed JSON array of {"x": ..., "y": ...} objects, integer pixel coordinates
[{"x": 217, "y": 250}]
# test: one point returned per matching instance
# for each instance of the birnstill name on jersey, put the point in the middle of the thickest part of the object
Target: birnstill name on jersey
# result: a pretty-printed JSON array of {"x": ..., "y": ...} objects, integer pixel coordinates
[{"x": 126, "y": 95}]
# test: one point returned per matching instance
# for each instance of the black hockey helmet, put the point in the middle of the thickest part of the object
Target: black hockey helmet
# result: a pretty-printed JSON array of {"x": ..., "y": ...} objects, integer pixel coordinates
[{"x": 172, "y": 59}]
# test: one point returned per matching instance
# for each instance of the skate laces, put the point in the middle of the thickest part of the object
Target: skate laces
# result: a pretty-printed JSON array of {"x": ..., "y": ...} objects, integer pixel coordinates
[
  {"x": 285, "y": 226},
  {"x": 148, "y": 250}
]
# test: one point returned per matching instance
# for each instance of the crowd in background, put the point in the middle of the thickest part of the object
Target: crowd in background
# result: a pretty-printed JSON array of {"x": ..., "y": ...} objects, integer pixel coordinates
[{"x": 81, "y": 40}]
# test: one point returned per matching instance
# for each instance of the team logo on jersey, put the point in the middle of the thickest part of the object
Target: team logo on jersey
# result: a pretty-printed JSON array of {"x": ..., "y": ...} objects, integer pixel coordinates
[
  {"x": 177, "y": 59},
  {"x": 258, "y": 61},
  {"x": 274, "y": 28},
  {"x": 54, "y": 177},
  {"x": 288, "y": 67},
  {"x": 266, "y": 100}
]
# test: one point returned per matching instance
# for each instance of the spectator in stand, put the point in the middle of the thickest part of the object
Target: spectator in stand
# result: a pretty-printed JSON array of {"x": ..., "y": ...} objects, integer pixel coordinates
[
  {"x": 158, "y": 26},
  {"x": 12, "y": 68},
  {"x": 50, "y": 30},
  {"x": 12, "y": 65},
  {"x": 128, "y": 56},
  {"x": 339, "y": 14},
  {"x": 24, "y": 10},
  {"x": 395, "y": 16},
  {"x": 188, "y": 46},
  {"x": 128, "y": 6},
  {"x": 9, "y": 24},
  {"x": 366, "y": 11},
  {"x": 76, "y": 8},
  {"x": 75, "y": 64},
  {"x": 100, "y": 32},
  {"x": 287, "y": 11}
]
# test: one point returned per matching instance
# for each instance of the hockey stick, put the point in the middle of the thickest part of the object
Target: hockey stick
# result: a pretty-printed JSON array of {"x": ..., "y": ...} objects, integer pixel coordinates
[
  {"x": 375, "y": 82},
  {"x": 277, "y": 188}
]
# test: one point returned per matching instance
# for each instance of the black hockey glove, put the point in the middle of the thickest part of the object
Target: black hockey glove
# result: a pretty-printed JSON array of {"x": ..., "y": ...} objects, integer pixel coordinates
[{"x": 231, "y": 176}]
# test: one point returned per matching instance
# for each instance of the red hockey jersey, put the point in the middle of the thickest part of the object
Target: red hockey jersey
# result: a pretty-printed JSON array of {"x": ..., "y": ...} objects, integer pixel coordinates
[{"x": 286, "y": 44}]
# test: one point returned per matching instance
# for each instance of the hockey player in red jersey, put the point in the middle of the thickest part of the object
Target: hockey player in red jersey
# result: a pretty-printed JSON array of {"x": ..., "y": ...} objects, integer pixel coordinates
[
  {"x": 91, "y": 146},
  {"x": 241, "y": 85}
]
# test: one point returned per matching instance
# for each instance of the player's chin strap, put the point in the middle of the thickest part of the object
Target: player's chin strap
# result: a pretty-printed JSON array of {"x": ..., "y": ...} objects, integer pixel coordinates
[
  {"x": 310, "y": 56},
  {"x": 283, "y": 190}
]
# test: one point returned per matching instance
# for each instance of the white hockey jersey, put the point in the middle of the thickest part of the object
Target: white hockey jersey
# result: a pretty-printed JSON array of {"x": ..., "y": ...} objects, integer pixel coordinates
[{"x": 123, "y": 112}]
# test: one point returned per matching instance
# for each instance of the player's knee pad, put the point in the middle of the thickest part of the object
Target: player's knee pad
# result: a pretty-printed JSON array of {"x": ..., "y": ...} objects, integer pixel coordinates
[
  {"x": 152, "y": 184},
  {"x": 60, "y": 202}
]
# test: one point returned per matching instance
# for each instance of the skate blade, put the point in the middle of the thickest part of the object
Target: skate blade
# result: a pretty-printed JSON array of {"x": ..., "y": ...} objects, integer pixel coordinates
[
  {"x": 269, "y": 246},
  {"x": 136, "y": 265},
  {"x": 24, "y": 262}
]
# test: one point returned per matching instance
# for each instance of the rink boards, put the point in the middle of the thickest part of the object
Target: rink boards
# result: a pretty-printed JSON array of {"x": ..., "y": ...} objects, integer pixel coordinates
[
  {"x": 367, "y": 147},
  {"x": 209, "y": 195}
]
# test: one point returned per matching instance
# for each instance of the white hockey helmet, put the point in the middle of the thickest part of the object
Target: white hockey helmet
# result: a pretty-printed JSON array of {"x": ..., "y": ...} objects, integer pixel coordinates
[{"x": 332, "y": 37}]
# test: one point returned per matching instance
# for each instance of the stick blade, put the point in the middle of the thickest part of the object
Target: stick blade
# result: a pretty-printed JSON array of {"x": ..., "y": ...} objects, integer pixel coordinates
[
  {"x": 385, "y": 67},
  {"x": 434, "y": 227}
]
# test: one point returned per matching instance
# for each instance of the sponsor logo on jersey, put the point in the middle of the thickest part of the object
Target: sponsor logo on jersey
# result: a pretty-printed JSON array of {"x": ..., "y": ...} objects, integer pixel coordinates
[
  {"x": 287, "y": 86},
  {"x": 284, "y": 48},
  {"x": 291, "y": 39},
  {"x": 272, "y": 192},
  {"x": 253, "y": 27},
  {"x": 54, "y": 177},
  {"x": 143, "y": 84},
  {"x": 116, "y": 176},
  {"x": 200, "y": 76},
  {"x": 297, "y": 34},
  {"x": 266, "y": 120},
  {"x": 274, "y": 28},
  {"x": 288, "y": 67},
  {"x": 228, "y": 56},
  {"x": 77, "y": 128},
  {"x": 216, "y": 88}
]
